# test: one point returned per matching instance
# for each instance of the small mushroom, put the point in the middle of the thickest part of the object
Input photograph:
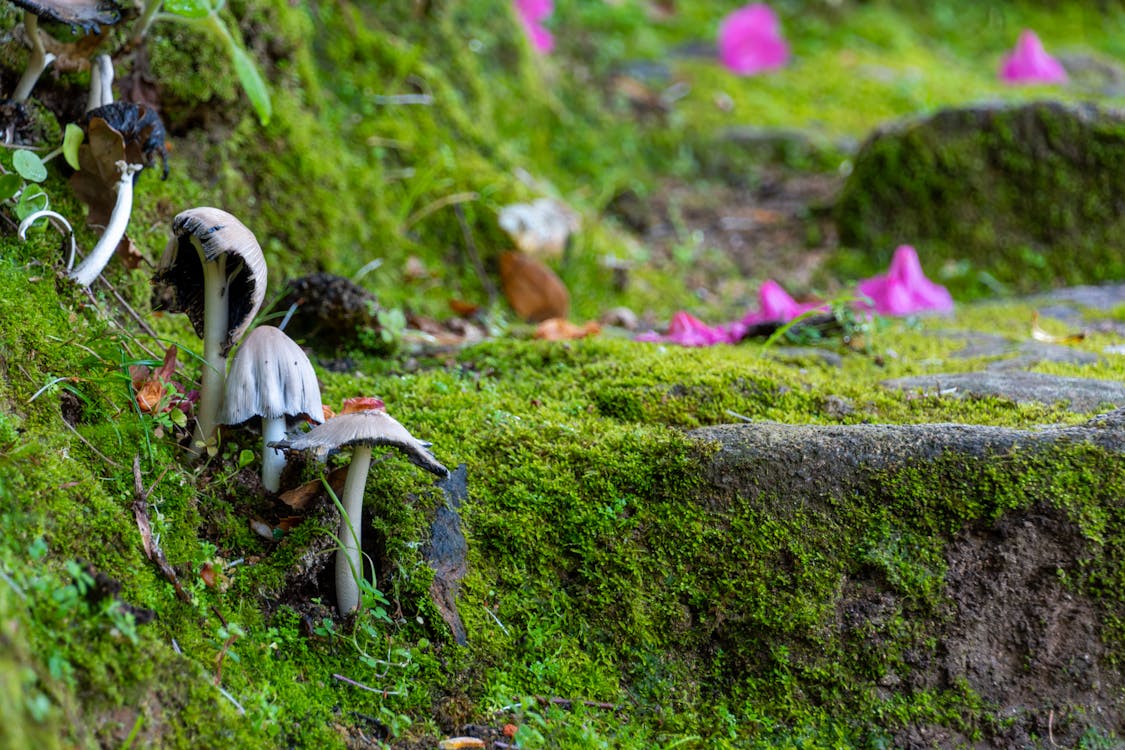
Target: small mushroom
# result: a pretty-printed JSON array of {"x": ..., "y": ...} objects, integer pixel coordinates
[
  {"x": 88, "y": 15},
  {"x": 121, "y": 139},
  {"x": 362, "y": 430},
  {"x": 214, "y": 272},
  {"x": 271, "y": 387}
]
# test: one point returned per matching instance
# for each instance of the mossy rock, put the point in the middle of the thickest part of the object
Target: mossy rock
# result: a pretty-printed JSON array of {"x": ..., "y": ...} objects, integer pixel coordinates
[{"x": 1030, "y": 194}]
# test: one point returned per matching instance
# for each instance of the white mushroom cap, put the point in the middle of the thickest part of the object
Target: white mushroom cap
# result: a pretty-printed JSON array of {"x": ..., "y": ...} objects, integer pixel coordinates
[
  {"x": 180, "y": 269},
  {"x": 370, "y": 428},
  {"x": 271, "y": 378}
]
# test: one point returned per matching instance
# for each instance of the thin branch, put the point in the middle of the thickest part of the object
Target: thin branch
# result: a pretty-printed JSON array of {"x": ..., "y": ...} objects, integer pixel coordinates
[
  {"x": 90, "y": 445},
  {"x": 440, "y": 203},
  {"x": 361, "y": 686},
  {"x": 151, "y": 546},
  {"x": 474, "y": 256}
]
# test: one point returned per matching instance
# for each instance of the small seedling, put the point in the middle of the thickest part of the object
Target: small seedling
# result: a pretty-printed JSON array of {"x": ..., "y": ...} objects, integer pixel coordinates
[{"x": 204, "y": 14}]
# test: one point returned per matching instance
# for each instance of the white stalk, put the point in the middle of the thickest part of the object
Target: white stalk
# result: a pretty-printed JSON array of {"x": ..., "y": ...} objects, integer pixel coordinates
[
  {"x": 216, "y": 314},
  {"x": 273, "y": 460},
  {"x": 92, "y": 266},
  {"x": 349, "y": 558},
  {"x": 101, "y": 82},
  {"x": 59, "y": 222},
  {"x": 38, "y": 61}
]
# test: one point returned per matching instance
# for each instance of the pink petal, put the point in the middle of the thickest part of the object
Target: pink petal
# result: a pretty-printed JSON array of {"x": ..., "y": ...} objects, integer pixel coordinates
[
  {"x": 534, "y": 10},
  {"x": 905, "y": 290},
  {"x": 1030, "y": 63},
  {"x": 531, "y": 14},
  {"x": 750, "y": 40},
  {"x": 775, "y": 305}
]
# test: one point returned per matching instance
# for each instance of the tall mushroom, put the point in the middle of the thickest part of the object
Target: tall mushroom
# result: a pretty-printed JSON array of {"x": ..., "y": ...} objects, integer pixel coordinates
[
  {"x": 214, "y": 272},
  {"x": 88, "y": 15},
  {"x": 271, "y": 387},
  {"x": 362, "y": 430}
]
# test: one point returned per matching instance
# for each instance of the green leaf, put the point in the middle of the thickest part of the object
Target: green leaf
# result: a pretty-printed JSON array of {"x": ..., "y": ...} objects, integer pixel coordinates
[
  {"x": 72, "y": 139},
  {"x": 189, "y": 8},
  {"x": 9, "y": 185},
  {"x": 252, "y": 82},
  {"x": 33, "y": 199},
  {"x": 29, "y": 165}
]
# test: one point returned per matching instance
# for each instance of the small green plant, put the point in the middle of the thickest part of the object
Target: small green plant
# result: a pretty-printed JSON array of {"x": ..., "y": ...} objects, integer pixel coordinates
[
  {"x": 205, "y": 15},
  {"x": 21, "y": 186}
]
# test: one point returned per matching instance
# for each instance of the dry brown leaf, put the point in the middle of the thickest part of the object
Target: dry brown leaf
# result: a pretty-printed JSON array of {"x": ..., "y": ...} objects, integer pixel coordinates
[
  {"x": 463, "y": 308},
  {"x": 561, "y": 329},
  {"x": 533, "y": 290},
  {"x": 299, "y": 498}
]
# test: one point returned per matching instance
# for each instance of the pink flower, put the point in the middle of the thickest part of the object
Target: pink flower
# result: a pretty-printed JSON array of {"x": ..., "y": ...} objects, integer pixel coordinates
[
  {"x": 532, "y": 13},
  {"x": 750, "y": 41},
  {"x": 687, "y": 330},
  {"x": 776, "y": 305},
  {"x": 1030, "y": 63},
  {"x": 905, "y": 290}
]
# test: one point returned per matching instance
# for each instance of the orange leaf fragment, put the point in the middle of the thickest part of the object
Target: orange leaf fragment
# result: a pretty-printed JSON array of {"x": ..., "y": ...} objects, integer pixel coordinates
[
  {"x": 362, "y": 403},
  {"x": 561, "y": 329}
]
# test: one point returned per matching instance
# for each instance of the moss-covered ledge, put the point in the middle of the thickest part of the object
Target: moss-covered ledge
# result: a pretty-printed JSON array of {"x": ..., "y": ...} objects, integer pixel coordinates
[{"x": 962, "y": 582}]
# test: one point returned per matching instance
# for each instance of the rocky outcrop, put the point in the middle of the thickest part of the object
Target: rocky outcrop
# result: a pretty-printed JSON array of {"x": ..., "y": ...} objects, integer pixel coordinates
[{"x": 1032, "y": 194}]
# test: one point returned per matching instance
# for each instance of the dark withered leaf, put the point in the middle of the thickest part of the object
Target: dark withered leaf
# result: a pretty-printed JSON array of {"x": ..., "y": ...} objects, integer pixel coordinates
[
  {"x": 141, "y": 128},
  {"x": 120, "y": 131}
]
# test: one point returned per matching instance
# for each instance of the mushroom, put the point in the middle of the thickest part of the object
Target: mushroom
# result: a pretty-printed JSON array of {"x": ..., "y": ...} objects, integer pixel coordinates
[
  {"x": 101, "y": 82},
  {"x": 121, "y": 139},
  {"x": 88, "y": 15},
  {"x": 363, "y": 430},
  {"x": 271, "y": 387},
  {"x": 214, "y": 272}
]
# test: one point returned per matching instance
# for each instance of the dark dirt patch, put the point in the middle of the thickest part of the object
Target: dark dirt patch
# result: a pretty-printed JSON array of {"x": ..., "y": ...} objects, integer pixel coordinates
[
  {"x": 717, "y": 235},
  {"x": 1021, "y": 638}
]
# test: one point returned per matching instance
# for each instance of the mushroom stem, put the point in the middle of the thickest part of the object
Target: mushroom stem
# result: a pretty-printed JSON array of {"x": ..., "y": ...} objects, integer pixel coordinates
[
  {"x": 38, "y": 61},
  {"x": 212, "y": 382},
  {"x": 349, "y": 558},
  {"x": 101, "y": 82},
  {"x": 273, "y": 460},
  {"x": 89, "y": 269}
]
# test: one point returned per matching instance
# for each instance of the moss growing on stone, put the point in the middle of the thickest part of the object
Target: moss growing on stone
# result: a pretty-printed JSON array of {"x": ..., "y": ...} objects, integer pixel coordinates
[{"x": 1025, "y": 193}]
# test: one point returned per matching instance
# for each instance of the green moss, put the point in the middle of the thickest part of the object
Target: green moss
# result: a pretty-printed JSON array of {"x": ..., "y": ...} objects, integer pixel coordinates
[{"x": 998, "y": 190}]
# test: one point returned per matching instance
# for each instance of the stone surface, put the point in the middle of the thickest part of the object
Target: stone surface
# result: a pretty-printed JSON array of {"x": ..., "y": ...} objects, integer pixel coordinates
[
  {"x": 1015, "y": 632},
  {"x": 1030, "y": 193},
  {"x": 1081, "y": 394},
  {"x": 815, "y": 462}
]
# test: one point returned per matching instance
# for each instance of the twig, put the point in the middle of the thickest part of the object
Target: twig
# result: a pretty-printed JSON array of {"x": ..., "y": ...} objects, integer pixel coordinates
[
  {"x": 90, "y": 445},
  {"x": 474, "y": 256},
  {"x": 440, "y": 203},
  {"x": 15, "y": 586},
  {"x": 221, "y": 656},
  {"x": 131, "y": 311},
  {"x": 361, "y": 686},
  {"x": 736, "y": 415},
  {"x": 229, "y": 697},
  {"x": 424, "y": 100},
  {"x": 568, "y": 703},
  {"x": 497, "y": 619},
  {"x": 151, "y": 546}
]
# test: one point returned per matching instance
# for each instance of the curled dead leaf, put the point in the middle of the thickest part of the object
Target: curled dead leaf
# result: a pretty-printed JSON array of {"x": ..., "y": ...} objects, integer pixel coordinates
[
  {"x": 299, "y": 498},
  {"x": 1039, "y": 334},
  {"x": 533, "y": 290}
]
